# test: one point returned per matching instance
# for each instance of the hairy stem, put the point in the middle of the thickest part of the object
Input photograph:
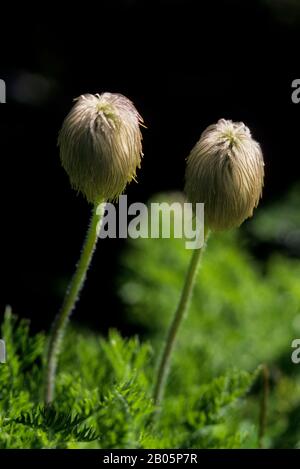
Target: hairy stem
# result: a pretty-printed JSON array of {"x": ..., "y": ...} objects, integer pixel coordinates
[
  {"x": 71, "y": 297},
  {"x": 179, "y": 315}
]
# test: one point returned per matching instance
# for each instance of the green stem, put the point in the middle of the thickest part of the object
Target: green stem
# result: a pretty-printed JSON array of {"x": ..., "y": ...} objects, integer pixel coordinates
[
  {"x": 180, "y": 313},
  {"x": 71, "y": 297}
]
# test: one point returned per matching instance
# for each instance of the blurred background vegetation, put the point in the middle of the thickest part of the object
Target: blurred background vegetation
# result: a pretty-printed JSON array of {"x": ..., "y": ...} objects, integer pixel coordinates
[
  {"x": 245, "y": 312},
  {"x": 243, "y": 318}
]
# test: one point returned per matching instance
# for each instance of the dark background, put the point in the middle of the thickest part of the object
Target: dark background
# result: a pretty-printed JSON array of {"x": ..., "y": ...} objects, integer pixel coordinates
[{"x": 185, "y": 64}]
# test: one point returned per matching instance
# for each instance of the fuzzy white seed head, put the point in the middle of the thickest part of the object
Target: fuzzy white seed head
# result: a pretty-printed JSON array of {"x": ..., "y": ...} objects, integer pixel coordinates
[
  {"x": 225, "y": 171},
  {"x": 101, "y": 145}
]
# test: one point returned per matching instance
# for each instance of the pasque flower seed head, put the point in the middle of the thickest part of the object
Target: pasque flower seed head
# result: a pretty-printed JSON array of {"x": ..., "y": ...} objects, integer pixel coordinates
[
  {"x": 101, "y": 145},
  {"x": 225, "y": 171}
]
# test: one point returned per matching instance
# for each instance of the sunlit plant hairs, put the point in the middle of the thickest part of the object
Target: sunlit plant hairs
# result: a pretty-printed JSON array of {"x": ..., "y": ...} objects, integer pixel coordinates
[
  {"x": 100, "y": 149},
  {"x": 225, "y": 171}
]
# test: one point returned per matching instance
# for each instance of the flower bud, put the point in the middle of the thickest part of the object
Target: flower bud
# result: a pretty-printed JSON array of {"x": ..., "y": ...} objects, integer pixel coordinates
[
  {"x": 225, "y": 171},
  {"x": 101, "y": 145}
]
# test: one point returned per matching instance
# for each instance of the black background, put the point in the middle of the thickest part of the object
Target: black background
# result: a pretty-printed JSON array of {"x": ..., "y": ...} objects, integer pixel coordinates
[{"x": 185, "y": 64}]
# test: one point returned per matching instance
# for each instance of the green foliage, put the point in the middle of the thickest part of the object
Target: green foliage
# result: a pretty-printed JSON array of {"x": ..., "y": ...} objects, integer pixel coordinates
[
  {"x": 103, "y": 397},
  {"x": 244, "y": 313},
  {"x": 235, "y": 301},
  {"x": 66, "y": 426},
  {"x": 203, "y": 417}
]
